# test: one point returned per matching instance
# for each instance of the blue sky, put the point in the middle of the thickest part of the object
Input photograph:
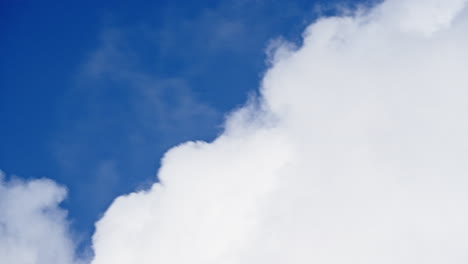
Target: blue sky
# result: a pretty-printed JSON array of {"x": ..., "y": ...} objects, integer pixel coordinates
[{"x": 93, "y": 93}]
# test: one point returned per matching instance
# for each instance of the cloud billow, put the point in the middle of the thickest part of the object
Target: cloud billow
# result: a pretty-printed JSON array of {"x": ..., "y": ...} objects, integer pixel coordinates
[
  {"x": 33, "y": 229},
  {"x": 354, "y": 153}
]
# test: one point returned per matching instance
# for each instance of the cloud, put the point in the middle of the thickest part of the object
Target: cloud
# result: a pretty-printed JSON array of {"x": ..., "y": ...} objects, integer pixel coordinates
[
  {"x": 354, "y": 153},
  {"x": 33, "y": 228},
  {"x": 118, "y": 97}
]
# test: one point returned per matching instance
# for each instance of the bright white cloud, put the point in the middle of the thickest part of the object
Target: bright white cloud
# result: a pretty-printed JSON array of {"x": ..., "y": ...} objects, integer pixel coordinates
[
  {"x": 356, "y": 153},
  {"x": 33, "y": 229}
]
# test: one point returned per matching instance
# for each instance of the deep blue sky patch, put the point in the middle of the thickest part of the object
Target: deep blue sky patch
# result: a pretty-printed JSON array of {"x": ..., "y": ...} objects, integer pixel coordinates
[{"x": 93, "y": 93}]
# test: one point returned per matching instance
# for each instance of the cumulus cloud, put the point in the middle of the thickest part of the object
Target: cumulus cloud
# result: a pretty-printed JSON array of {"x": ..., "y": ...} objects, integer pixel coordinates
[
  {"x": 355, "y": 152},
  {"x": 33, "y": 229}
]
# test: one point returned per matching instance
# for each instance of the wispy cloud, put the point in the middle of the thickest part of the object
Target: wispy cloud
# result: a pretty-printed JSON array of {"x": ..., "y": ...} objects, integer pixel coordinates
[{"x": 119, "y": 113}]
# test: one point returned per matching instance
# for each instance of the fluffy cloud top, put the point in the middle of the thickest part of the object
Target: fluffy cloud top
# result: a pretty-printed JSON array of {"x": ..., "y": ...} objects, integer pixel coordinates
[
  {"x": 33, "y": 229},
  {"x": 356, "y": 152}
]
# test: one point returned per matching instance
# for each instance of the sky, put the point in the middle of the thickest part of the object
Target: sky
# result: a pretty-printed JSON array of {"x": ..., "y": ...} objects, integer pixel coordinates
[
  {"x": 315, "y": 132},
  {"x": 92, "y": 94}
]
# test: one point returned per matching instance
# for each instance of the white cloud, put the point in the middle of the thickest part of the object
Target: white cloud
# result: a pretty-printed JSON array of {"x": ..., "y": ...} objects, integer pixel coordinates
[
  {"x": 356, "y": 153},
  {"x": 421, "y": 16},
  {"x": 33, "y": 229}
]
